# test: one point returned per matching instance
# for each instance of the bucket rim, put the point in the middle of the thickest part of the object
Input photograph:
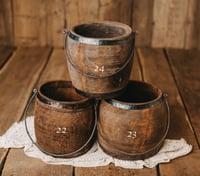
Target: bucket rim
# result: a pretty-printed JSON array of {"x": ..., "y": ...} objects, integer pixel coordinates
[
  {"x": 128, "y": 34},
  {"x": 85, "y": 101},
  {"x": 138, "y": 105}
]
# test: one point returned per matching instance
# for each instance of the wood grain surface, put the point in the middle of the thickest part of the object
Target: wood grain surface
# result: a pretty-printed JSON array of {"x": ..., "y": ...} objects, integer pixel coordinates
[
  {"x": 173, "y": 71},
  {"x": 161, "y": 23}
]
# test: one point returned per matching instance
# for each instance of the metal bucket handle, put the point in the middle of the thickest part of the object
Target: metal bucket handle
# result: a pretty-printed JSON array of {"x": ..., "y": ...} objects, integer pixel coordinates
[
  {"x": 68, "y": 57},
  {"x": 164, "y": 96},
  {"x": 35, "y": 92}
]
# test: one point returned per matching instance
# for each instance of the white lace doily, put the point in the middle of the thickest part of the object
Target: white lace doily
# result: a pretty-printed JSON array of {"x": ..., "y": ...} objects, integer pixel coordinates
[{"x": 16, "y": 137}]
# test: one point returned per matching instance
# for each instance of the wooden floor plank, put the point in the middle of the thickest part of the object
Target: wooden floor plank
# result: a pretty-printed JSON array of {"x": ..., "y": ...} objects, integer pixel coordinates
[
  {"x": 56, "y": 69},
  {"x": 185, "y": 66},
  {"x": 17, "y": 80},
  {"x": 5, "y": 53},
  {"x": 149, "y": 65},
  {"x": 156, "y": 71},
  {"x": 111, "y": 170},
  {"x": 3, "y": 153},
  {"x": 21, "y": 165},
  {"x": 184, "y": 166}
]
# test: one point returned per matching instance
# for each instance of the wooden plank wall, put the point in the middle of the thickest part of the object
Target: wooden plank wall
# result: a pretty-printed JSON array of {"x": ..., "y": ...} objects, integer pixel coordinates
[{"x": 161, "y": 23}]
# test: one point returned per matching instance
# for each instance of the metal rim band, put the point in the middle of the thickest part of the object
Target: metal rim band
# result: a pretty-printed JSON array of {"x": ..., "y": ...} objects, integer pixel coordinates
[
  {"x": 62, "y": 105},
  {"x": 136, "y": 106},
  {"x": 94, "y": 41}
]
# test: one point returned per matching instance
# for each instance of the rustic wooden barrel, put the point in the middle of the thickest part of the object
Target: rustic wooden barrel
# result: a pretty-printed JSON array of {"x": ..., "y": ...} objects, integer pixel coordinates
[
  {"x": 100, "y": 57},
  {"x": 64, "y": 120},
  {"x": 134, "y": 125}
]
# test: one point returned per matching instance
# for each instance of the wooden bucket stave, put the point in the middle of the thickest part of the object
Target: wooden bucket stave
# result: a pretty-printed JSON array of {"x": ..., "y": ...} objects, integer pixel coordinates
[
  {"x": 96, "y": 52},
  {"x": 140, "y": 122}
]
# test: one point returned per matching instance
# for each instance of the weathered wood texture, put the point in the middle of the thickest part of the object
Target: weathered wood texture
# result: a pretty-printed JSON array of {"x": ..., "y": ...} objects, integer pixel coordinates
[
  {"x": 30, "y": 166},
  {"x": 169, "y": 23},
  {"x": 5, "y": 54},
  {"x": 17, "y": 80},
  {"x": 6, "y": 23},
  {"x": 111, "y": 170},
  {"x": 185, "y": 66},
  {"x": 192, "y": 35},
  {"x": 56, "y": 69},
  {"x": 175, "y": 72},
  {"x": 161, "y": 23},
  {"x": 157, "y": 71},
  {"x": 142, "y": 20},
  {"x": 184, "y": 166}
]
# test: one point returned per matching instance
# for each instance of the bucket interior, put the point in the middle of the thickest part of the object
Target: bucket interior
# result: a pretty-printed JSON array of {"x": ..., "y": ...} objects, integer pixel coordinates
[
  {"x": 60, "y": 91},
  {"x": 100, "y": 30},
  {"x": 139, "y": 92}
]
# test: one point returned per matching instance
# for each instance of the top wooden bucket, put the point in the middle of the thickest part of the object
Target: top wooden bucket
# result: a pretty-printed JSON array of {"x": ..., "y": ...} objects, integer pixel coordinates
[{"x": 100, "y": 57}]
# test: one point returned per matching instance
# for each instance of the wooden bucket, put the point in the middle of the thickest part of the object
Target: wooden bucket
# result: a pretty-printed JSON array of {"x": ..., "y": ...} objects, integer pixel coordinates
[
  {"x": 99, "y": 57},
  {"x": 64, "y": 120},
  {"x": 134, "y": 125}
]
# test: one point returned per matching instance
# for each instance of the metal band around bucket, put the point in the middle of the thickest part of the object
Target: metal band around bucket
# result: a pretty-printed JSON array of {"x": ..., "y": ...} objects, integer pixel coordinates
[
  {"x": 135, "y": 106},
  {"x": 35, "y": 92},
  {"x": 94, "y": 41},
  {"x": 68, "y": 56},
  {"x": 164, "y": 97}
]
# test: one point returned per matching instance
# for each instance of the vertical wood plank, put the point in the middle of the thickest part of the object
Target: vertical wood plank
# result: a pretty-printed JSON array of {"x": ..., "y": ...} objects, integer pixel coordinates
[
  {"x": 88, "y": 10},
  {"x": 55, "y": 17},
  {"x": 161, "y": 23},
  {"x": 71, "y": 13},
  {"x": 6, "y": 23},
  {"x": 159, "y": 30},
  {"x": 30, "y": 22},
  {"x": 80, "y": 11},
  {"x": 142, "y": 21},
  {"x": 169, "y": 23},
  {"x": 192, "y": 37},
  {"x": 5, "y": 53},
  {"x": 116, "y": 10}
]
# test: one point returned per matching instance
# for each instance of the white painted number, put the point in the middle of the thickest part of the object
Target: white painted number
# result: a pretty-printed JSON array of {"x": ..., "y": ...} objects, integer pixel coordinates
[
  {"x": 61, "y": 130},
  {"x": 99, "y": 68},
  {"x": 132, "y": 134}
]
